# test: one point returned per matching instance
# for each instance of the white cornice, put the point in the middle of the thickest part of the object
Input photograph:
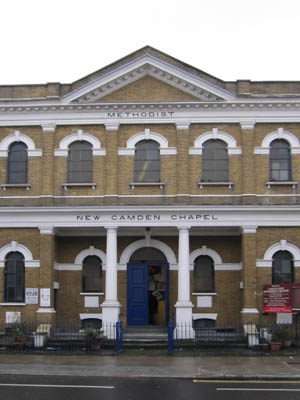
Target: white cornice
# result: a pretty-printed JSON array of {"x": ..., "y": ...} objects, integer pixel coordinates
[
  {"x": 249, "y": 217},
  {"x": 150, "y": 113}
]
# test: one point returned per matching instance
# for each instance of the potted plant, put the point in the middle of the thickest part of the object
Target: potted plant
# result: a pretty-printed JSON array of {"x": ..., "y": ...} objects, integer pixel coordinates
[
  {"x": 280, "y": 334},
  {"x": 92, "y": 338},
  {"x": 19, "y": 331}
]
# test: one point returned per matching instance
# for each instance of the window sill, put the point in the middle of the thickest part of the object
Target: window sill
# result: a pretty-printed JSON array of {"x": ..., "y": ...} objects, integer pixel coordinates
[
  {"x": 282, "y": 183},
  {"x": 92, "y": 294},
  {"x": 13, "y": 304},
  {"x": 229, "y": 184},
  {"x": 134, "y": 184},
  {"x": 16, "y": 185},
  {"x": 67, "y": 185},
  {"x": 204, "y": 294}
]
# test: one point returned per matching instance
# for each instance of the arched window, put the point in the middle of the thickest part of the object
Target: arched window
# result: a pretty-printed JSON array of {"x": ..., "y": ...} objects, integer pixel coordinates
[
  {"x": 14, "y": 277},
  {"x": 280, "y": 160},
  {"x": 92, "y": 275},
  {"x": 80, "y": 162},
  {"x": 282, "y": 268},
  {"x": 147, "y": 161},
  {"x": 17, "y": 163},
  {"x": 214, "y": 161},
  {"x": 204, "y": 275}
]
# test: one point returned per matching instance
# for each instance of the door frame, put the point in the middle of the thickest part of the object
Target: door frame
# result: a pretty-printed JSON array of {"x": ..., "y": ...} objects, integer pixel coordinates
[{"x": 165, "y": 267}]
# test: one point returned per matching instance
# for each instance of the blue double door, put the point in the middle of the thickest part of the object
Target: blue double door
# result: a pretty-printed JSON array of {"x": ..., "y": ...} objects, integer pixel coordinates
[{"x": 138, "y": 293}]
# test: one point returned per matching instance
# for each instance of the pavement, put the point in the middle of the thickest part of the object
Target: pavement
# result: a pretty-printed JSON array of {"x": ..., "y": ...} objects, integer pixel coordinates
[{"x": 147, "y": 365}]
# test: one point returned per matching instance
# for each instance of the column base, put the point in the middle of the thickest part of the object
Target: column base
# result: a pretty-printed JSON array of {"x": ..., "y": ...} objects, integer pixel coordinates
[
  {"x": 110, "y": 316},
  {"x": 249, "y": 318},
  {"x": 46, "y": 316},
  {"x": 184, "y": 320}
]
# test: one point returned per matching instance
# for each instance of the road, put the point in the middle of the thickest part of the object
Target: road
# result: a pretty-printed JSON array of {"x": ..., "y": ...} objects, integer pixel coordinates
[{"x": 23, "y": 387}]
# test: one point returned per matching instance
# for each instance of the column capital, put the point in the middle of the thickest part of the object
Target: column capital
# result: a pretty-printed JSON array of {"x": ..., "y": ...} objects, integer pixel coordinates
[
  {"x": 46, "y": 230},
  {"x": 114, "y": 126},
  {"x": 247, "y": 125},
  {"x": 249, "y": 229},
  {"x": 184, "y": 227},
  {"x": 183, "y": 126},
  {"x": 111, "y": 227},
  {"x": 49, "y": 127}
]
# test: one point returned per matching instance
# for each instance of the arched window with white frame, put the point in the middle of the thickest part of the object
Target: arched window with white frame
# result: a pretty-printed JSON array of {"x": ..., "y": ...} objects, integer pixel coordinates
[
  {"x": 282, "y": 268},
  {"x": 280, "y": 160},
  {"x": 92, "y": 281},
  {"x": 14, "y": 278},
  {"x": 17, "y": 163},
  {"x": 215, "y": 161},
  {"x": 204, "y": 275},
  {"x": 147, "y": 161},
  {"x": 80, "y": 162}
]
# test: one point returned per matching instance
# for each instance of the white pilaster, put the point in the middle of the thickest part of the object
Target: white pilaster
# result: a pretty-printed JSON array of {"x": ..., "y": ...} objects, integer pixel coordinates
[
  {"x": 184, "y": 305},
  {"x": 111, "y": 305}
]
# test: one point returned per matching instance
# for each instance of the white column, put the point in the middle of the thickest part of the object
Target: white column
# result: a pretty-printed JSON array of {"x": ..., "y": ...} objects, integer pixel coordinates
[
  {"x": 184, "y": 319},
  {"x": 111, "y": 280},
  {"x": 111, "y": 305}
]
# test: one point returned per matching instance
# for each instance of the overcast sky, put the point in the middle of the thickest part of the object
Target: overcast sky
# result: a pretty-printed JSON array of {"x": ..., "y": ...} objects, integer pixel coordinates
[{"x": 64, "y": 40}]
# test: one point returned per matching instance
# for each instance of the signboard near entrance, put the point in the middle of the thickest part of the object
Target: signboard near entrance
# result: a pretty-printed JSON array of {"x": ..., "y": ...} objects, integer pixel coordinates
[
  {"x": 277, "y": 299},
  {"x": 282, "y": 298}
]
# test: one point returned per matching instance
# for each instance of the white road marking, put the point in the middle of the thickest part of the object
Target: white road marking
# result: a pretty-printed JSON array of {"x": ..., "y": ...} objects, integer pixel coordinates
[
  {"x": 256, "y": 390},
  {"x": 56, "y": 386}
]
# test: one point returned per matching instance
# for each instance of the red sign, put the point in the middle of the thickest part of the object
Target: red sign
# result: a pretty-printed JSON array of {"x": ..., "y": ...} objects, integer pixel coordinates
[
  {"x": 277, "y": 299},
  {"x": 282, "y": 298}
]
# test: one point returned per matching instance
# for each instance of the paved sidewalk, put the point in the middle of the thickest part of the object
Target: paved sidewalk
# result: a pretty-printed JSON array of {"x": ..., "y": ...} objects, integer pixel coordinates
[{"x": 235, "y": 367}]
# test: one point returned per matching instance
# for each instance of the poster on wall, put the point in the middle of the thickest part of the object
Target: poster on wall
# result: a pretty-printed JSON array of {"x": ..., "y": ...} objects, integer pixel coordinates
[
  {"x": 45, "y": 297},
  {"x": 32, "y": 296},
  {"x": 277, "y": 299},
  {"x": 282, "y": 298},
  {"x": 12, "y": 317}
]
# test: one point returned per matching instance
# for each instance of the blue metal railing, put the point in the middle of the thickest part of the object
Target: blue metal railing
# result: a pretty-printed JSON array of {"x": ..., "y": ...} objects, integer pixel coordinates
[
  {"x": 119, "y": 337},
  {"x": 171, "y": 329}
]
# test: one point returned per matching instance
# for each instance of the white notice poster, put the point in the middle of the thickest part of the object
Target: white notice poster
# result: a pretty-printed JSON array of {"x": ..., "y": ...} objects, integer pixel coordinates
[
  {"x": 32, "y": 295},
  {"x": 45, "y": 297}
]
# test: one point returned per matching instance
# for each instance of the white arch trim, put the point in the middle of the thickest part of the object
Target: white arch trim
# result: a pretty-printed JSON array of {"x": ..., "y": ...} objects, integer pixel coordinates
[
  {"x": 157, "y": 244},
  {"x": 204, "y": 251},
  {"x": 215, "y": 134},
  {"x": 91, "y": 251},
  {"x": 147, "y": 135},
  {"x": 283, "y": 245},
  {"x": 204, "y": 316},
  {"x": 15, "y": 246},
  {"x": 280, "y": 133},
  {"x": 88, "y": 316},
  {"x": 78, "y": 136},
  {"x": 17, "y": 136},
  {"x": 218, "y": 264}
]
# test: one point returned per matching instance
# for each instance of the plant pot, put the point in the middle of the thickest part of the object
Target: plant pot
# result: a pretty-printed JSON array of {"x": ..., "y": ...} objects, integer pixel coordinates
[
  {"x": 92, "y": 345},
  {"x": 265, "y": 347},
  {"x": 275, "y": 346}
]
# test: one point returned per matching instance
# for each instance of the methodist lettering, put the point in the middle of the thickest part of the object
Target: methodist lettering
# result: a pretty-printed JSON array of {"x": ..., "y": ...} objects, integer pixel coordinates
[{"x": 140, "y": 114}]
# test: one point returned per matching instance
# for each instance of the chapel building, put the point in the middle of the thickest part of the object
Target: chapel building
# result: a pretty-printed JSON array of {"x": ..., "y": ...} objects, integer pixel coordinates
[{"x": 148, "y": 191}]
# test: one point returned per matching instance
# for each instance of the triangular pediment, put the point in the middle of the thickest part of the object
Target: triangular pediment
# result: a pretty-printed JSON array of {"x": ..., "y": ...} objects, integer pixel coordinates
[
  {"x": 147, "y": 78},
  {"x": 147, "y": 89}
]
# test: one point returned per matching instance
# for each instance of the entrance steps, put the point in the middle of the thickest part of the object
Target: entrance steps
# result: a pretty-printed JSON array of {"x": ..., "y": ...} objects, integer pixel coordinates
[{"x": 145, "y": 334}]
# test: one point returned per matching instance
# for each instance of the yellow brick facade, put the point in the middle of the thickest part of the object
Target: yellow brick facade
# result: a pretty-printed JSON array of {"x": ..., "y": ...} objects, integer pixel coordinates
[{"x": 235, "y": 222}]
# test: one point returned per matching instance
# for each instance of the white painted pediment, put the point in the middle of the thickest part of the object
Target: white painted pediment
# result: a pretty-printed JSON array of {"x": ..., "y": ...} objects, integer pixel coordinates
[{"x": 147, "y": 65}]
